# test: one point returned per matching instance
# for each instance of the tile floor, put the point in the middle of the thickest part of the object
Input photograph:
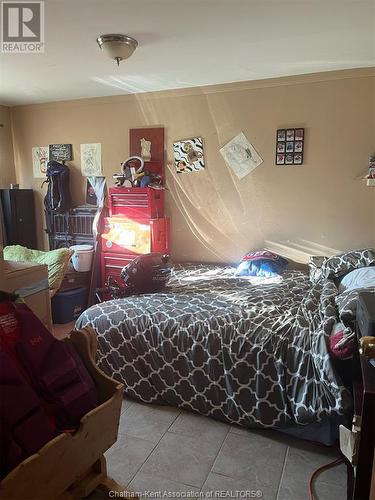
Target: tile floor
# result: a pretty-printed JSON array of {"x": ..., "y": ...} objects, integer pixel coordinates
[{"x": 165, "y": 449}]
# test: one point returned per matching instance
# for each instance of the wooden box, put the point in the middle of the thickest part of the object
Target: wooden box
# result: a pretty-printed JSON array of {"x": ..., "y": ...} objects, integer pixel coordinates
[{"x": 71, "y": 466}]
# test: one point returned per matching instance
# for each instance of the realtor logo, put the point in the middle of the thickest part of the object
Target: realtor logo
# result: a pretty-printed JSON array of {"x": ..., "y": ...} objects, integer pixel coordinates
[{"x": 22, "y": 27}]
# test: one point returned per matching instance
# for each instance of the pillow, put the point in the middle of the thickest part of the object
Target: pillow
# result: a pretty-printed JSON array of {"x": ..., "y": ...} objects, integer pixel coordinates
[
  {"x": 359, "y": 278},
  {"x": 261, "y": 263},
  {"x": 338, "y": 265},
  {"x": 56, "y": 260}
]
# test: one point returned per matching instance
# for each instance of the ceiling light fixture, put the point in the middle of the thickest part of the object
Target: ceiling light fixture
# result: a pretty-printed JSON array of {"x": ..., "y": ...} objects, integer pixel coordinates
[{"x": 117, "y": 47}]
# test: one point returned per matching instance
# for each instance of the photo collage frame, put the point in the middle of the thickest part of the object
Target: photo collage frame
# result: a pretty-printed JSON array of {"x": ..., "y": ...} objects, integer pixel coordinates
[{"x": 289, "y": 146}]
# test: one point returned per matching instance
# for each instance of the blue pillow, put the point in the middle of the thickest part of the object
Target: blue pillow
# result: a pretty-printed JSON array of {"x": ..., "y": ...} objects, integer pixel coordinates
[{"x": 262, "y": 263}]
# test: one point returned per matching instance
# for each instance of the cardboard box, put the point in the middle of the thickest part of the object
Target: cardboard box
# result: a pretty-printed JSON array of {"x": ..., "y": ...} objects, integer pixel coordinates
[{"x": 30, "y": 281}]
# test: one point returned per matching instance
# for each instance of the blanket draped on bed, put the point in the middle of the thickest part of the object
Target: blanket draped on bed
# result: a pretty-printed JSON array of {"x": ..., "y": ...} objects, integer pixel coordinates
[{"x": 249, "y": 352}]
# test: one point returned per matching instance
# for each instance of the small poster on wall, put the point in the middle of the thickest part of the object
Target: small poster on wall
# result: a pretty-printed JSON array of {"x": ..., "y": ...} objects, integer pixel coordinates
[
  {"x": 60, "y": 152},
  {"x": 241, "y": 156},
  {"x": 91, "y": 160},
  {"x": 188, "y": 155},
  {"x": 40, "y": 160}
]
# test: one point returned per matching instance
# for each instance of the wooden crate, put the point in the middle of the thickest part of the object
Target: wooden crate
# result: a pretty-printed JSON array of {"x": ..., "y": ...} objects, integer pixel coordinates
[{"x": 72, "y": 466}]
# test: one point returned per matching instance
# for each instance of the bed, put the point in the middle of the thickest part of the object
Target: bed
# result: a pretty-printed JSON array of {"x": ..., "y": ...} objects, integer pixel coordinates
[{"x": 249, "y": 351}]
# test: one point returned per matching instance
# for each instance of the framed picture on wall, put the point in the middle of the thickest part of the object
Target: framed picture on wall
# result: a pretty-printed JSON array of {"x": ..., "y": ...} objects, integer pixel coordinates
[
  {"x": 280, "y": 159},
  {"x": 281, "y": 135},
  {"x": 297, "y": 158},
  {"x": 61, "y": 152},
  {"x": 289, "y": 159},
  {"x": 290, "y": 134},
  {"x": 299, "y": 133},
  {"x": 289, "y": 146}
]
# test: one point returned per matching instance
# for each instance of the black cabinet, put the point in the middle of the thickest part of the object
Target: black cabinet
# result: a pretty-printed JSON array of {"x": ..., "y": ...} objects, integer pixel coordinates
[{"x": 19, "y": 217}]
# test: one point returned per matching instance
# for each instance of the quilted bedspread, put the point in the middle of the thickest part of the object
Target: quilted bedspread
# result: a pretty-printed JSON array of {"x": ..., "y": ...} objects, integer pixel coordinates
[{"x": 250, "y": 351}]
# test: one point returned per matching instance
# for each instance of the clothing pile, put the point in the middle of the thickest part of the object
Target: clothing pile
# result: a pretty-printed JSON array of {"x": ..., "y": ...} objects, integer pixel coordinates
[{"x": 45, "y": 388}]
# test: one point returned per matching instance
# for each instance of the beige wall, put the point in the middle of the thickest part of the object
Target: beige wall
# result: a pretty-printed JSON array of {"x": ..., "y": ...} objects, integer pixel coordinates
[
  {"x": 214, "y": 215},
  {"x": 7, "y": 172}
]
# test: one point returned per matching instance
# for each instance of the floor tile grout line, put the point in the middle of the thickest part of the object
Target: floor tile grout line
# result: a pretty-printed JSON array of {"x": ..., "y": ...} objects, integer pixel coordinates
[
  {"x": 153, "y": 449},
  {"x": 143, "y": 438},
  {"x": 184, "y": 435},
  {"x": 126, "y": 434},
  {"x": 168, "y": 430},
  {"x": 217, "y": 454},
  {"x": 282, "y": 472},
  {"x": 126, "y": 408},
  {"x": 181, "y": 433}
]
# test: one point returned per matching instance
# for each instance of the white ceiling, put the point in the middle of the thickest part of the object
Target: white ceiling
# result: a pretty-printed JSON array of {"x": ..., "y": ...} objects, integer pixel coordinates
[{"x": 186, "y": 44}]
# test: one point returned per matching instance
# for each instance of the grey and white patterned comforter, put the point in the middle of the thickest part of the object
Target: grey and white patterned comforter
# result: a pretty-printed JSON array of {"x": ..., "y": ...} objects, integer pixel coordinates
[{"x": 247, "y": 351}]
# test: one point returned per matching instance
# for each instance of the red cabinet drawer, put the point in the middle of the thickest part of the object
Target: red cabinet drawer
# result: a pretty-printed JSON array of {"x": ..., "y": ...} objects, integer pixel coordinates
[
  {"x": 136, "y": 202},
  {"x": 112, "y": 265},
  {"x": 123, "y": 235}
]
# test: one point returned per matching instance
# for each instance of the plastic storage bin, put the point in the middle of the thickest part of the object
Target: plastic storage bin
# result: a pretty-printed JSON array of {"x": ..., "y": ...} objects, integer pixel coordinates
[{"x": 67, "y": 306}]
